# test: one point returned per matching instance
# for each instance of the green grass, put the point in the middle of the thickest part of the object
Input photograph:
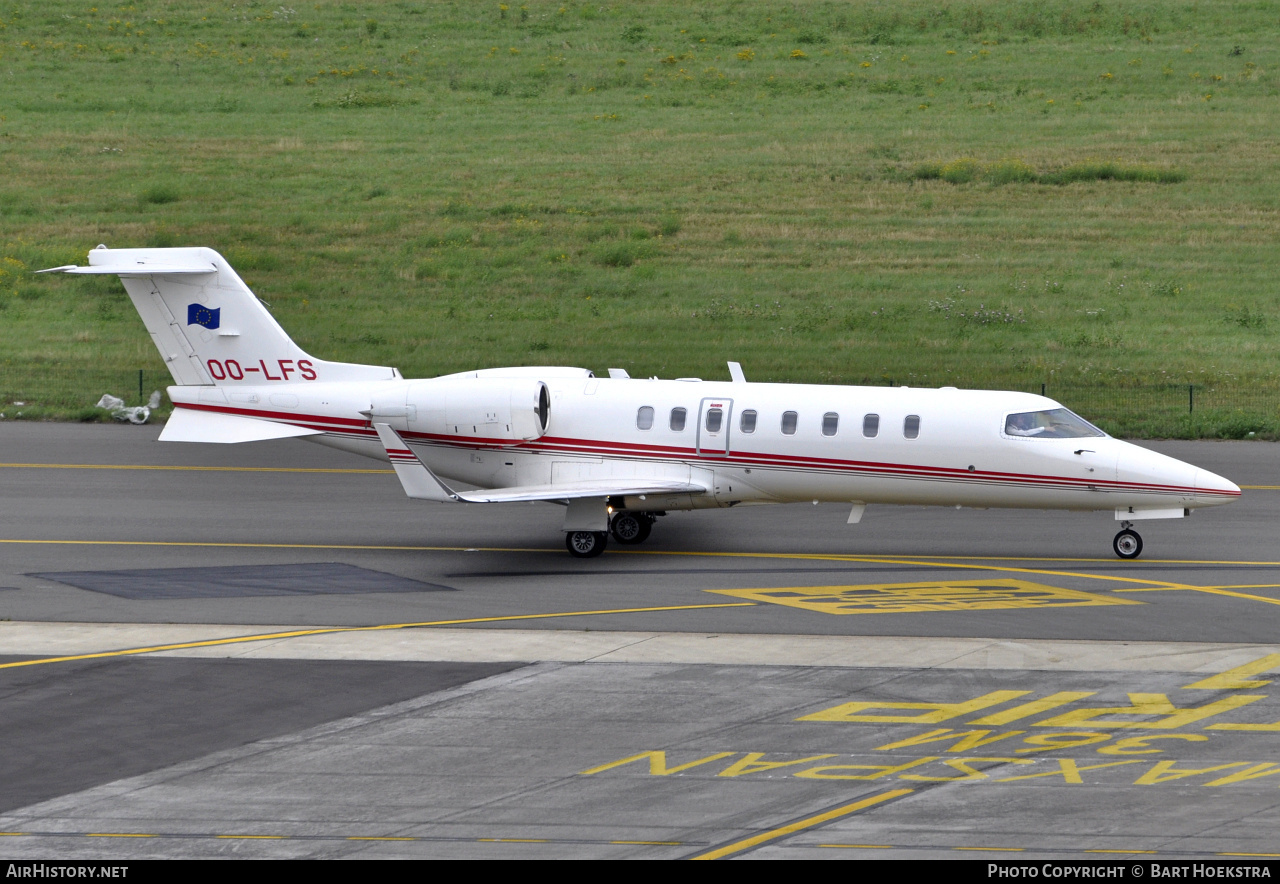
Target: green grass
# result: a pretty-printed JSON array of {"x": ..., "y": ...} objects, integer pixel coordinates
[{"x": 993, "y": 194}]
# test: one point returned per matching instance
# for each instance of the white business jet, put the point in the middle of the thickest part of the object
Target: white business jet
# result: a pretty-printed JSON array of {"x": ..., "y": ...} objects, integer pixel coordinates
[{"x": 618, "y": 452}]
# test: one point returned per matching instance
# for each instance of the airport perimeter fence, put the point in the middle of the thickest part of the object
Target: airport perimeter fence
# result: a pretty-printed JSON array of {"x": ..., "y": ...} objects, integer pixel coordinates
[
  {"x": 1141, "y": 410},
  {"x": 73, "y": 391}
]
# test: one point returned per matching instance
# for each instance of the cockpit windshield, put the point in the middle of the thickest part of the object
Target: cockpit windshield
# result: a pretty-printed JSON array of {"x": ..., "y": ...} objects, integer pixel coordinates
[{"x": 1057, "y": 423}]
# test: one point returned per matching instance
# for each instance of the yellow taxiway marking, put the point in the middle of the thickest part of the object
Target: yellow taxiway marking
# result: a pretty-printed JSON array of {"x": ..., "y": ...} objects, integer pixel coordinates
[
  {"x": 1244, "y": 854},
  {"x": 1212, "y": 590},
  {"x": 939, "y": 595},
  {"x": 801, "y": 825},
  {"x": 122, "y": 466},
  {"x": 239, "y": 545},
  {"x": 330, "y": 630},
  {"x": 1260, "y": 487}
]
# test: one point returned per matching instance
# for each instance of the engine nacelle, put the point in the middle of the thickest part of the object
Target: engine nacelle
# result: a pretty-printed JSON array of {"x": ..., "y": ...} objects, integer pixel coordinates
[{"x": 490, "y": 409}]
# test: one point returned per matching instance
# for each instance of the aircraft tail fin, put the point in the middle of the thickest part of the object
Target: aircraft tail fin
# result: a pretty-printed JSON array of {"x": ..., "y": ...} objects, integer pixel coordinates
[{"x": 209, "y": 326}]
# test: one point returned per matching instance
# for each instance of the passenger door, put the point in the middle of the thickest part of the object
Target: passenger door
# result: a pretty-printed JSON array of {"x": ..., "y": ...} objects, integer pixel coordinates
[{"x": 715, "y": 417}]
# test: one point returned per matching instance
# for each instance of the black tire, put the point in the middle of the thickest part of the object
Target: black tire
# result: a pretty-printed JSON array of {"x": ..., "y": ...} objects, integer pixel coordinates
[
  {"x": 629, "y": 527},
  {"x": 1127, "y": 544},
  {"x": 586, "y": 544}
]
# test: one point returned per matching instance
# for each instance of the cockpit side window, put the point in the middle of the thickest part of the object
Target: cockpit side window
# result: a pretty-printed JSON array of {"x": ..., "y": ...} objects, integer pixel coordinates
[{"x": 1055, "y": 423}]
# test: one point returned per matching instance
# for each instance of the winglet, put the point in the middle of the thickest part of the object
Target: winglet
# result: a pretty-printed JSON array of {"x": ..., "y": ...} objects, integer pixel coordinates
[
  {"x": 418, "y": 481},
  {"x": 735, "y": 372}
]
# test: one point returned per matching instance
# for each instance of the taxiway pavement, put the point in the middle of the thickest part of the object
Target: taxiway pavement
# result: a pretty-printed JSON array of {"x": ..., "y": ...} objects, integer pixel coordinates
[{"x": 305, "y": 663}]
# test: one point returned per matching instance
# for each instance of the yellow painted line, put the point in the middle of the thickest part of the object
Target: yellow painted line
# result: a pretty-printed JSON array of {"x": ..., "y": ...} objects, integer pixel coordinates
[
  {"x": 922, "y": 559},
  {"x": 220, "y": 544},
  {"x": 997, "y": 849},
  {"x": 1212, "y": 590},
  {"x": 1250, "y": 586},
  {"x": 121, "y": 466},
  {"x": 1121, "y": 851},
  {"x": 241, "y": 639},
  {"x": 801, "y": 825},
  {"x": 116, "y": 835},
  {"x": 11, "y": 834},
  {"x": 1261, "y": 488},
  {"x": 1247, "y": 854}
]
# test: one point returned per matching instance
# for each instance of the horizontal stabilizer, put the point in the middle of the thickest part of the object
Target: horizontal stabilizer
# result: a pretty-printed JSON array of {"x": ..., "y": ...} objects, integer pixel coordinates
[
  {"x": 190, "y": 425},
  {"x": 139, "y": 268}
]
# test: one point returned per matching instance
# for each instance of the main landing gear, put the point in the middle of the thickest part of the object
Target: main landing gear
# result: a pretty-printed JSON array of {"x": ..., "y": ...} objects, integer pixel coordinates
[
  {"x": 625, "y": 526},
  {"x": 1127, "y": 544},
  {"x": 629, "y": 527},
  {"x": 586, "y": 544}
]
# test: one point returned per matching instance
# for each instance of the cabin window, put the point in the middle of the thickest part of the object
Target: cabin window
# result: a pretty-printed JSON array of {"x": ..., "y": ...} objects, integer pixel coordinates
[
  {"x": 644, "y": 417},
  {"x": 911, "y": 426},
  {"x": 747, "y": 423},
  {"x": 677, "y": 419},
  {"x": 830, "y": 423},
  {"x": 715, "y": 418},
  {"x": 871, "y": 425},
  {"x": 1057, "y": 423},
  {"x": 789, "y": 421}
]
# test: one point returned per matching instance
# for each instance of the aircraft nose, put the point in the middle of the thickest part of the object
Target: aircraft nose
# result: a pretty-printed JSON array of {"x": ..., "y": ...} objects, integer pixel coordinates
[{"x": 1212, "y": 488}]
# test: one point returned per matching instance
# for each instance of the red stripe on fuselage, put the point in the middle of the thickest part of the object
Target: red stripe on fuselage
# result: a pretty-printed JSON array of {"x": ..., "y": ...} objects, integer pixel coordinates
[{"x": 568, "y": 445}]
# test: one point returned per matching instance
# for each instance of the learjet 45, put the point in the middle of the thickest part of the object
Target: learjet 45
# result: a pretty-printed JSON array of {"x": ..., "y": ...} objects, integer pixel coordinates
[{"x": 618, "y": 452}]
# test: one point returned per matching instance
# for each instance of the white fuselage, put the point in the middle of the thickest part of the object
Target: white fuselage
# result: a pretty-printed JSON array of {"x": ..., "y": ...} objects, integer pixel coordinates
[{"x": 929, "y": 446}]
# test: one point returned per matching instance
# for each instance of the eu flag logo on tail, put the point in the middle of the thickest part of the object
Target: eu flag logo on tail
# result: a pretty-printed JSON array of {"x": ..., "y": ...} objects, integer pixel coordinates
[{"x": 198, "y": 314}]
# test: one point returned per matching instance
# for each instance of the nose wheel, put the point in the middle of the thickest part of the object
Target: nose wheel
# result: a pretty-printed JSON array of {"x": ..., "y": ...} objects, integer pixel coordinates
[{"x": 1127, "y": 544}]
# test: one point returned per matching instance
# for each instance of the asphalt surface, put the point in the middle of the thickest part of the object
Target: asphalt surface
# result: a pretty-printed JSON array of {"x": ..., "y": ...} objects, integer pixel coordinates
[{"x": 514, "y": 747}]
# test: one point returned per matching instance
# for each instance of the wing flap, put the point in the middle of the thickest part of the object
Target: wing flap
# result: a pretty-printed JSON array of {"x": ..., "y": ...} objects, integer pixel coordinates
[
  {"x": 573, "y": 490},
  {"x": 191, "y": 425}
]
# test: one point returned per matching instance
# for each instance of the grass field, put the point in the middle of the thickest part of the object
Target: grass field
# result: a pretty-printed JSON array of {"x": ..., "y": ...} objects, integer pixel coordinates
[{"x": 994, "y": 194}]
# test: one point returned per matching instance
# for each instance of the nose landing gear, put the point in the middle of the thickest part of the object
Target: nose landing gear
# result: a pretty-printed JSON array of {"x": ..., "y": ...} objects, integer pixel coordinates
[{"x": 1127, "y": 544}]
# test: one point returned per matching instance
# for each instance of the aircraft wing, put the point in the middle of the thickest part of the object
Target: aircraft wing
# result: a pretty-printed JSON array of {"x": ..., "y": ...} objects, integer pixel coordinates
[{"x": 422, "y": 484}]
